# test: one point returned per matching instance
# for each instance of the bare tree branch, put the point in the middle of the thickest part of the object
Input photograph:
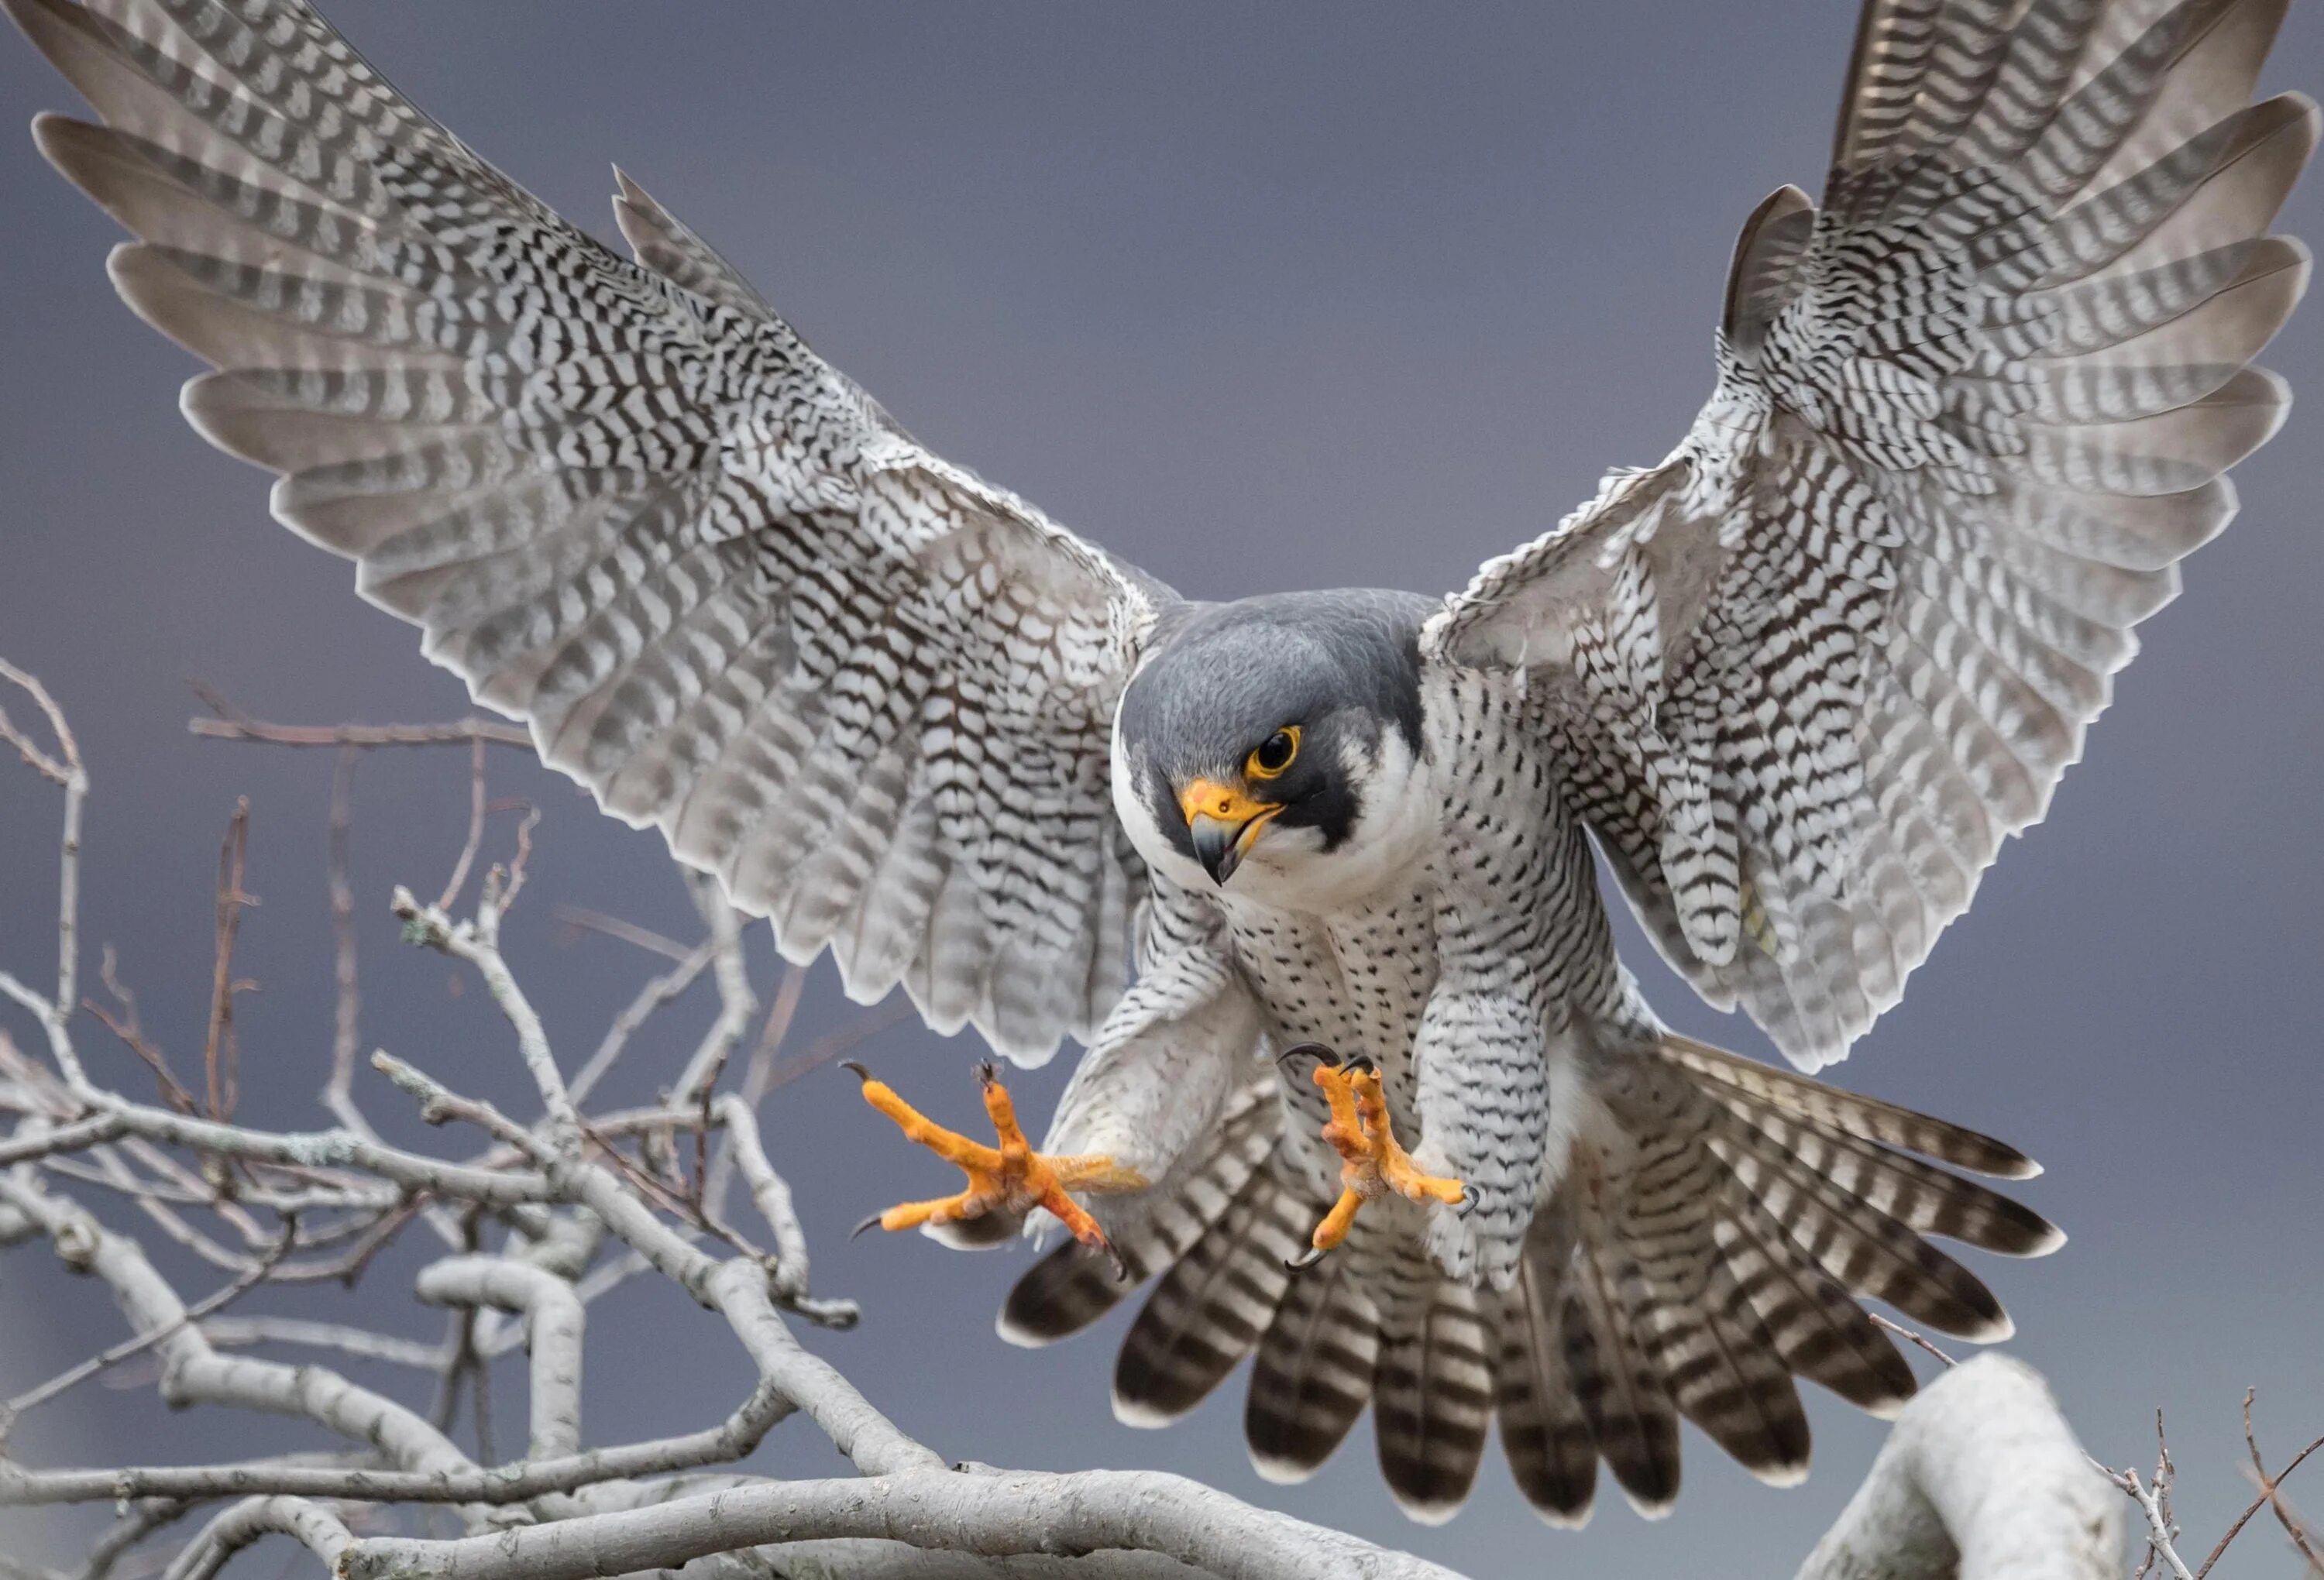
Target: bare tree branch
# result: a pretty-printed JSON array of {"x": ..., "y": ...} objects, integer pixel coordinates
[
  {"x": 1086, "y": 1512},
  {"x": 478, "y": 944},
  {"x": 458, "y": 733},
  {"x": 552, "y": 1327},
  {"x": 1980, "y": 1479},
  {"x": 546, "y": 1214},
  {"x": 338, "y": 1091},
  {"x": 74, "y": 1377},
  {"x": 319, "y": 1529},
  {"x": 220, "y": 1058}
]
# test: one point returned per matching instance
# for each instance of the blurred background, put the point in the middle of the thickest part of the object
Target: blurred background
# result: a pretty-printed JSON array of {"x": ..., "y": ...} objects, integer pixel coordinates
[{"x": 1261, "y": 297}]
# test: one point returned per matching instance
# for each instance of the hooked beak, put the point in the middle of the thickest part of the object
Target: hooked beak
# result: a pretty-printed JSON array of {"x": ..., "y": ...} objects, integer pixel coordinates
[{"x": 1223, "y": 824}]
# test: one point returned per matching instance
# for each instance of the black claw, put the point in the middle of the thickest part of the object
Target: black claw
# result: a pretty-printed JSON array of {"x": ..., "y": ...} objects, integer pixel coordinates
[
  {"x": 1360, "y": 1063},
  {"x": 988, "y": 1075},
  {"x": 872, "y": 1222},
  {"x": 1120, "y": 1264},
  {"x": 1304, "y": 1259},
  {"x": 1316, "y": 1051},
  {"x": 1468, "y": 1202},
  {"x": 855, "y": 1066}
]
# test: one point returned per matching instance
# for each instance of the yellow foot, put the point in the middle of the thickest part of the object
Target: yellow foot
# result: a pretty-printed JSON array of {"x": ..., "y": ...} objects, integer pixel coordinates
[
  {"x": 1371, "y": 1162},
  {"x": 1010, "y": 1177}
]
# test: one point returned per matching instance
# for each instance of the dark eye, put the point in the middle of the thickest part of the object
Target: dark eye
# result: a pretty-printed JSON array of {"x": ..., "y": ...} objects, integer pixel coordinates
[{"x": 1275, "y": 753}]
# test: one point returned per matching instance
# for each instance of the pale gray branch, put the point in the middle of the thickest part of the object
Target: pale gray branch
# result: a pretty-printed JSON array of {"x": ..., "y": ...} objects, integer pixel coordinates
[
  {"x": 552, "y": 1327},
  {"x": 772, "y": 1194},
  {"x": 234, "y": 1332},
  {"x": 736, "y": 1003},
  {"x": 1980, "y": 1479},
  {"x": 1086, "y": 1512},
  {"x": 456, "y": 733},
  {"x": 192, "y": 1373},
  {"x": 658, "y": 992},
  {"x": 477, "y": 944},
  {"x": 320, "y": 1531}
]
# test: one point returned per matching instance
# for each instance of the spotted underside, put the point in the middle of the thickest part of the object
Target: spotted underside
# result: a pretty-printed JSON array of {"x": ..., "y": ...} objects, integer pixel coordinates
[{"x": 1796, "y": 682}]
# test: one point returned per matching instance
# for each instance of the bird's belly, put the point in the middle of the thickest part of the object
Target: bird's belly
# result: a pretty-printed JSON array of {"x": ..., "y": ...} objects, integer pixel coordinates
[{"x": 1355, "y": 983}]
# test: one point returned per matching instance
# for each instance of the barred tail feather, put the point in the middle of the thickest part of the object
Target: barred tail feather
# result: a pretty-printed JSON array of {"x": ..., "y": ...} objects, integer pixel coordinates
[
  {"x": 1621, "y": 1390},
  {"x": 1314, "y": 1372},
  {"x": 1550, "y": 1448},
  {"x": 1432, "y": 1402},
  {"x": 1071, "y": 1288},
  {"x": 1764, "y": 1086},
  {"x": 1212, "y": 1307},
  {"x": 1816, "y": 1327}
]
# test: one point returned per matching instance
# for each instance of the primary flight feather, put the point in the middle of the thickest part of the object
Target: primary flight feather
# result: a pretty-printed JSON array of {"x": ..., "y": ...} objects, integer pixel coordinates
[{"x": 1796, "y": 682}]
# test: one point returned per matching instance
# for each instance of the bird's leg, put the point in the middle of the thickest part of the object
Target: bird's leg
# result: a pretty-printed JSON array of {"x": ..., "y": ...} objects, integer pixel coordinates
[
  {"x": 1371, "y": 1162},
  {"x": 1010, "y": 1177}
]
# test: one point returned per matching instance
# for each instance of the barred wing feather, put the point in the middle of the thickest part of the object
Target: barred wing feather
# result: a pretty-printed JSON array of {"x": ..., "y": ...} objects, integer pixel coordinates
[
  {"x": 628, "y": 505},
  {"x": 1808, "y": 673}
]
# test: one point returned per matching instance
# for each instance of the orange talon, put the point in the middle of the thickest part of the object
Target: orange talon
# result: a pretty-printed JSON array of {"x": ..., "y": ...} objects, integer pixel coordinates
[
  {"x": 1011, "y": 1177},
  {"x": 1371, "y": 1162}
]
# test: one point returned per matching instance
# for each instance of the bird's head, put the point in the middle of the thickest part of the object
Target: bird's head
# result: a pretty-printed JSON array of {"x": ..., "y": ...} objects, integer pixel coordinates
[{"x": 1273, "y": 744}]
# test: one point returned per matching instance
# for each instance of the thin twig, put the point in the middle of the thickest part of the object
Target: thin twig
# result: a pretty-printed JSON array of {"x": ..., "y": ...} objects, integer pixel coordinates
[
  {"x": 132, "y": 1033},
  {"x": 230, "y": 1332},
  {"x": 457, "y": 732},
  {"x": 220, "y": 1057},
  {"x": 478, "y": 944},
  {"x": 840, "y": 1041},
  {"x": 67, "y": 771},
  {"x": 468, "y": 847},
  {"x": 1909, "y": 1336},
  {"x": 74, "y": 1377},
  {"x": 523, "y": 857},
  {"x": 338, "y": 1092},
  {"x": 2268, "y": 1486},
  {"x": 581, "y": 919},
  {"x": 658, "y": 992}
]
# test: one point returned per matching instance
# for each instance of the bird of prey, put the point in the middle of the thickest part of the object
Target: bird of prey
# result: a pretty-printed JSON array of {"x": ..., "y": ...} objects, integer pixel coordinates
[{"x": 1311, "y": 876}]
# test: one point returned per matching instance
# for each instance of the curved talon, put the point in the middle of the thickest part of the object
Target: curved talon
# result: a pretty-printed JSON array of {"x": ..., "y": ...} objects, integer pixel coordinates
[
  {"x": 854, "y": 1067},
  {"x": 871, "y": 1223},
  {"x": 1305, "y": 1259},
  {"x": 988, "y": 1074},
  {"x": 1468, "y": 1202},
  {"x": 1316, "y": 1051},
  {"x": 1359, "y": 1064}
]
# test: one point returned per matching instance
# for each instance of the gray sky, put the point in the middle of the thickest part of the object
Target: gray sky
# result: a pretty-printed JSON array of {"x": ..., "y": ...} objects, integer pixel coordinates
[{"x": 1261, "y": 297}]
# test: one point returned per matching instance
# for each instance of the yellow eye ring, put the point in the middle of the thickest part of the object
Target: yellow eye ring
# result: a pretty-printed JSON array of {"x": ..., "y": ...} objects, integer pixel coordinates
[{"x": 1277, "y": 753}]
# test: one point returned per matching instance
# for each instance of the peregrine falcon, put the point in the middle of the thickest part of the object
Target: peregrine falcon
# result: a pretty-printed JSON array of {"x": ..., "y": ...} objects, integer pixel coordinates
[{"x": 1313, "y": 876}]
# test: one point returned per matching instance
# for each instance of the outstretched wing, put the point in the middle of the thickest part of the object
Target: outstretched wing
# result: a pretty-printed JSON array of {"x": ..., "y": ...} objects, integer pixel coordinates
[
  {"x": 1805, "y": 675},
  {"x": 629, "y": 506}
]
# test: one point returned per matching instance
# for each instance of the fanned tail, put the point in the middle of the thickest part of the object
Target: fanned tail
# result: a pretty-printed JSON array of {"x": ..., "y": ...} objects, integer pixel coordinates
[
  {"x": 1716, "y": 1225},
  {"x": 1710, "y": 1235}
]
